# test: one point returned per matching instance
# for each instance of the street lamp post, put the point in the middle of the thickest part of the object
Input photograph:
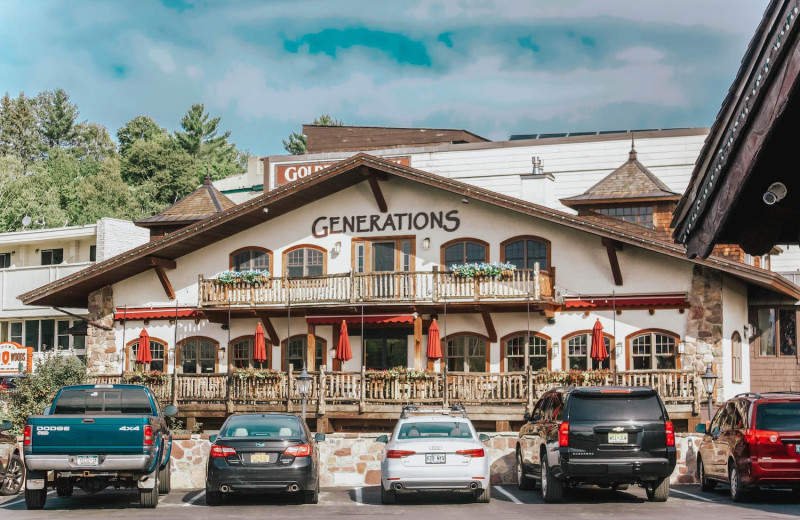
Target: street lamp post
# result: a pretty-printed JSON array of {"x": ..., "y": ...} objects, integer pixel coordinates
[
  {"x": 709, "y": 382},
  {"x": 304, "y": 386}
]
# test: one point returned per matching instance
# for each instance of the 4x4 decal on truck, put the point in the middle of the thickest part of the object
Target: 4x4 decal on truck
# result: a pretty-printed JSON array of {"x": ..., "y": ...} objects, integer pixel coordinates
[{"x": 129, "y": 429}]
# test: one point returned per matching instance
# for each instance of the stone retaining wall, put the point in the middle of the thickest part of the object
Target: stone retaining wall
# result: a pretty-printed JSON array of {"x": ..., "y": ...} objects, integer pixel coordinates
[{"x": 353, "y": 460}]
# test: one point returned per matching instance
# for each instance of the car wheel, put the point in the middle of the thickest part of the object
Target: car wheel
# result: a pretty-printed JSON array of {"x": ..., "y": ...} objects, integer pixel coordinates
[
  {"x": 14, "y": 477},
  {"x": 148, "y": 498},
  {"x": 64, "y": 487},
  {"x": 35, "y": 498},
  {"x": 213, "y": 498},
  {"x": 165, "y": 478},
  {"x": 737, "y": 489},
  {"x": 388, "y": 496},
  {"x": 484, "y": 496},
  {"x": 552, "y": 488},
  {"x": 705, "y": 483},
  {"x": 523, "y": 482},
  {"x": 658, "y": 491},
  {"x": 312, "y": 497}
]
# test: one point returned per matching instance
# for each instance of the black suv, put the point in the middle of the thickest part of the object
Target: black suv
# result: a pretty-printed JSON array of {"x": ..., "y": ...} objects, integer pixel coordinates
[{"x": 608, "y": 436}]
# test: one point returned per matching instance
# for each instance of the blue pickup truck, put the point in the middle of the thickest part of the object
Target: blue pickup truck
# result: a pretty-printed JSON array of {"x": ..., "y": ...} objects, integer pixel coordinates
[{"x": 99, "y": 436}]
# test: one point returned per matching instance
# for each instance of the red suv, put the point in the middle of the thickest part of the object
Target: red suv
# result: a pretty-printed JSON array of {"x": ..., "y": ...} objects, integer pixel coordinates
[{"x": 753, "y": 441}]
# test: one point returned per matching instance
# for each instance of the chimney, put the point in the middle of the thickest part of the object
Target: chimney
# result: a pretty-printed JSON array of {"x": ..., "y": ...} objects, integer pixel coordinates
[{"x": 538, "y": 186}]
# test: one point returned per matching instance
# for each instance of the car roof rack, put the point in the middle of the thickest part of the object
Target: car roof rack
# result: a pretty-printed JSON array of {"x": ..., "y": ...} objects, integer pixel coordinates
[
  {"x": 750, "y": 394},
  {"x": 411, "y": 409}
]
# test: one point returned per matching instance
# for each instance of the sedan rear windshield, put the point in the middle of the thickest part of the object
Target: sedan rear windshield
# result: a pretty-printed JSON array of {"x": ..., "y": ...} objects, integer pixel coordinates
[
  {"x": 446, "y": 429},
  {"x": 264, "y": 426},
  {"x": 778, "y": 417},
  {"x": 620, "y": 407},
  {"x": 96, "y": 401}
]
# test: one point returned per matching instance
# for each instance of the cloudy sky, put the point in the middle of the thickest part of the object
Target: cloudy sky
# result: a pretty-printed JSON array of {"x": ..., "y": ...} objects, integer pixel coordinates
[{"x": 491, "y": 66}]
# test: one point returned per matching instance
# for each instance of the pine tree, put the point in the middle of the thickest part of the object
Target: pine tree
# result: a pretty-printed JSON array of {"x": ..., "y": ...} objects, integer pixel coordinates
[
  {"x": 296, "y": 145},
  {"x": 140, "y": 127},
  {"x": 200, "y": 140},
  {"x": 18, "y": 133},
  {"x": 57, "y": 117}
]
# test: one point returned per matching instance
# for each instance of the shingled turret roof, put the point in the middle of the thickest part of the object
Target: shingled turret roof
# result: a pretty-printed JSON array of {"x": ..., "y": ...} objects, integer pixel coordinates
[
  {"x": 628, "y": 183},
  {"x": 202, "y": 203}
]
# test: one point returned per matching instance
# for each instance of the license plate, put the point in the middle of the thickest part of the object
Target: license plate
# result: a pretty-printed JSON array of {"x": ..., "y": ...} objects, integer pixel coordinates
[
  {"x": 86, "y": 460},
  {"x": 618, "y": 438},
  {"x": 259, "y": 458},
  {"x": 434, "y": 458}
]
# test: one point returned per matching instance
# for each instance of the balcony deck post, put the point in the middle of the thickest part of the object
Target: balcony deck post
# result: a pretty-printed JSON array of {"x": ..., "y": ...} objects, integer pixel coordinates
[
  {"x": 529, "y": 389},
  {"x": 536, "y": 288},
  {"x": 288, "y": 384},
  {"x": 445, "y": 392},
  {"x": 435, "y": 291},
  {"x": 361, "y": 403},
  {"x": 228, "y": 395},
  {"x": 321, "y": 392},
  {"x": 352, "y": 286}
]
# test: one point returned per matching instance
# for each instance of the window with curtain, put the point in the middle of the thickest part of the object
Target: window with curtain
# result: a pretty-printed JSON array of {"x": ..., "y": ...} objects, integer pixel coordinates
[
  {"x": 198, "y": 356},
  {"x": 464, "y": 252},
  {"x": 524, "y": 253},
  {"x": 250, "y": 260},
  {"x": 466, "y": 354},
  {"x": 305, "y": 261},
  {"x": 158, "y": 351},
  {"x": 517, "y": 351},
  {"x": 295, "y": 352},
  {"x": 653, "y": 351},
  {"x": 578, "y": 353}
]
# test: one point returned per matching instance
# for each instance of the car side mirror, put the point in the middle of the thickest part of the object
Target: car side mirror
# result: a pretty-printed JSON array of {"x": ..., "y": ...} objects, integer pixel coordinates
[
  {"x": 212, "y": 438},
  {"x": 6, "y": 425},
  {"x": 46, "y": 411},
  {"x": 527, "y": 417},
  {"x": 700, "y": 428},
  {"x": 483, "y": 437},
  {"x": 383, "y": 438},
  {"x": 319, "y": 437},
  {"x": 170, "y": 410}
]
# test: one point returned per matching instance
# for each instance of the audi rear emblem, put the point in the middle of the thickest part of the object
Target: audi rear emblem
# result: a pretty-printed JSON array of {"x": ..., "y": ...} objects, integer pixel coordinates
[{"x": 434, "y": 447}]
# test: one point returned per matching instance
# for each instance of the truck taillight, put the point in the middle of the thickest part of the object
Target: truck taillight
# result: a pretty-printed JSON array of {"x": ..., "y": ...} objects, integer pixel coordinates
[
  {"x": 563, "y": 434},
  {"x": 222, "y": 451},
  {"x": 27, "y": 435},
  {"x": 670, "y": 433},
  {"x": 148, "y": 435},
  {"x": 472, "y": 453},
  {"x": 300, "y": 450}
]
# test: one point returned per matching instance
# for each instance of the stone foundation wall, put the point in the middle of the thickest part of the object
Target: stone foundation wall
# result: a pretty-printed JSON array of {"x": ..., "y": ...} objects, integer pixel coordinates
[
  {"x": 353, "y": 460},
  {"x": 704, "y": 328},
  {"x": 101, "y": 349}
]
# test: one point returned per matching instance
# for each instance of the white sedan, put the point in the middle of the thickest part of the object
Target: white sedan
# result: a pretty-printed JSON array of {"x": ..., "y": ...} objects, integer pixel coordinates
[{"x": 434, "y": 452}]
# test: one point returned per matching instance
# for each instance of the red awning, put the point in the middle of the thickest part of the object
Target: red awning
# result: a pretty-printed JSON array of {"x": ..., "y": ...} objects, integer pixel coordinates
[
  {"x": 625, "y": 301},
  {"x": 154, "y": 314},
  {"x": 356, "y": 320}
]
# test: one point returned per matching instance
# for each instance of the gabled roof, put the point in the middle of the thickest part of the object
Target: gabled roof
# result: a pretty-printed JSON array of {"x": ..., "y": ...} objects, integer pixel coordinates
[
  {"x": 630, "y": 182},
  {"x": 72, "y": 290},
  {"x": 198, "y": 205}
]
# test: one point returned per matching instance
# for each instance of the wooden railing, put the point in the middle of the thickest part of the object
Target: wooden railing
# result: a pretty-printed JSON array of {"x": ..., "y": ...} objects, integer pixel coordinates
[
  {"x": 676, "y": 387},
  {"x": 407, "y": 286}
]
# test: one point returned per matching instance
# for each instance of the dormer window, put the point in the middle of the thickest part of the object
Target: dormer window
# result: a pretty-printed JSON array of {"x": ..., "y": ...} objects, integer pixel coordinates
[{"x": 642, "y": 215}]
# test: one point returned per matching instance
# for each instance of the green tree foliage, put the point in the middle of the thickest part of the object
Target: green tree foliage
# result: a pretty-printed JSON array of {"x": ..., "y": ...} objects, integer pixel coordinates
[
  {"x": 161, "y": 172},
  {"x": 19, "y": 135},
  {"x": 141, "y": 127},
  {"x": 92, "y": 141},
  {"x": 200, "y": 140},
  {"x": 57, "y": 117},
  {"x": 296, "y": 144},
  {"x": 36, "y": 391}
]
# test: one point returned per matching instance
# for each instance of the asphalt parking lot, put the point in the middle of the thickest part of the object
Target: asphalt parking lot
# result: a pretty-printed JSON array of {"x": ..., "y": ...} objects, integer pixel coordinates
[{"x": 507, "y": 502}]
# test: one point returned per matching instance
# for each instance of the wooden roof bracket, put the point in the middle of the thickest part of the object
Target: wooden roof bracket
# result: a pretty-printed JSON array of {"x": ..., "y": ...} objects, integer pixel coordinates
[
  {"x": 376, "y": 191},
  {"x": 160, "y": 264},
  {"x": 490, "y": 330},
  {"x": 612, "y": 246}
]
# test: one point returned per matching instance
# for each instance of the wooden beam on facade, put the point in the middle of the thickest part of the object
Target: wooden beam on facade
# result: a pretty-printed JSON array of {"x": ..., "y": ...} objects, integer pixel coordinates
[
  {"x": 311, "y": 348},
  {"x": 162, "y": 262},
  {"x": 165, "y": 283},
  {"x": 418, "y": 342},
  {"x": 489, "y": 324},
  {"x": 376, "y": 191},
  {"x": 612, "y": 246}
]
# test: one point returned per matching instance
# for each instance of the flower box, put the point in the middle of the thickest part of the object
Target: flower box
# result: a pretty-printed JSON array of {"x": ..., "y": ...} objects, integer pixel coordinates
[
  {"x": 243, "y": 277},
  {"x": 484, "y": 271}
]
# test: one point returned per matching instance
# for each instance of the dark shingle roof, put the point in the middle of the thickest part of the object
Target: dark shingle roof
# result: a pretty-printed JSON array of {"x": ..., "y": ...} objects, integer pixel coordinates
[{"x": 198, "y": 205}]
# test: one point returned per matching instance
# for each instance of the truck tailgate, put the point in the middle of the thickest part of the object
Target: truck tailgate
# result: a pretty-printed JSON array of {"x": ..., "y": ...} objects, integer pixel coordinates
[{"x": 78, "y": 434}]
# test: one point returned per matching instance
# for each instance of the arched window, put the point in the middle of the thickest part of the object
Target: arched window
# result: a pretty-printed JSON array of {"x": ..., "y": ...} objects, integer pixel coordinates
[
  {"x": 304, "y": 261},
  {"x": 158, "y": 351},
  {"x": 736, "y": 350},
  {"x": 516, "y": 356},
  {"x": 526, "y": 251},
  {"x": 250, "y": 259},
  {"x": 197, "y": 355},
  {"x": 294, "y": 353},
  {"x": 576, "y": 352},
  {"x": 467, "y": 353},
  {"x": 241, "y": 353},
  {"x": 653, "y": 349},
  {"x": 463, "y": 251}
]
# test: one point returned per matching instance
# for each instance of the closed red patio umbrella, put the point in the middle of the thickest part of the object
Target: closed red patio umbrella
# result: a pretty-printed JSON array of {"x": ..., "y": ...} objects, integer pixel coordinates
[
  {"x": 343, "y": 352},
  {"x": 599, "y": 352},
  {"x": 143, "y": 354},
  {"x": 260, "y": 345},
  {"x": 434, "y": 342}
]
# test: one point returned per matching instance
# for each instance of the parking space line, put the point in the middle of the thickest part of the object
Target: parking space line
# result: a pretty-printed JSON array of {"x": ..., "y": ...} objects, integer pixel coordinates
[
  {"x": 509, "y": 495},
  {"x": 19, "y": 500},
  {"x": 698, "y": 497},
  {"x": 195, "y": 498},
  {"x": 359, "y": 497}
]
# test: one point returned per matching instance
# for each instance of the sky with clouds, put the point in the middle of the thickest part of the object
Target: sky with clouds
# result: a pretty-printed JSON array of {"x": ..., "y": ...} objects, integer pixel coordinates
[{"x": 493, "y": 67}]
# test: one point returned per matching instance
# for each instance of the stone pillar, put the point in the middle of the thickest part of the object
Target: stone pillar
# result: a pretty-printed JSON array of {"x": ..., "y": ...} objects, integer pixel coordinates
[
  {"x": 102, "y": 357},
  {"x": 704, "y": 328}
]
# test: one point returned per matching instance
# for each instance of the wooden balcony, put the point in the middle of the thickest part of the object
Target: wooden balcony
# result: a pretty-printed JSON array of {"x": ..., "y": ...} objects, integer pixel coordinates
[
  {"x": 490, "y": 396},
  {"x": 406, "y": 286}
]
